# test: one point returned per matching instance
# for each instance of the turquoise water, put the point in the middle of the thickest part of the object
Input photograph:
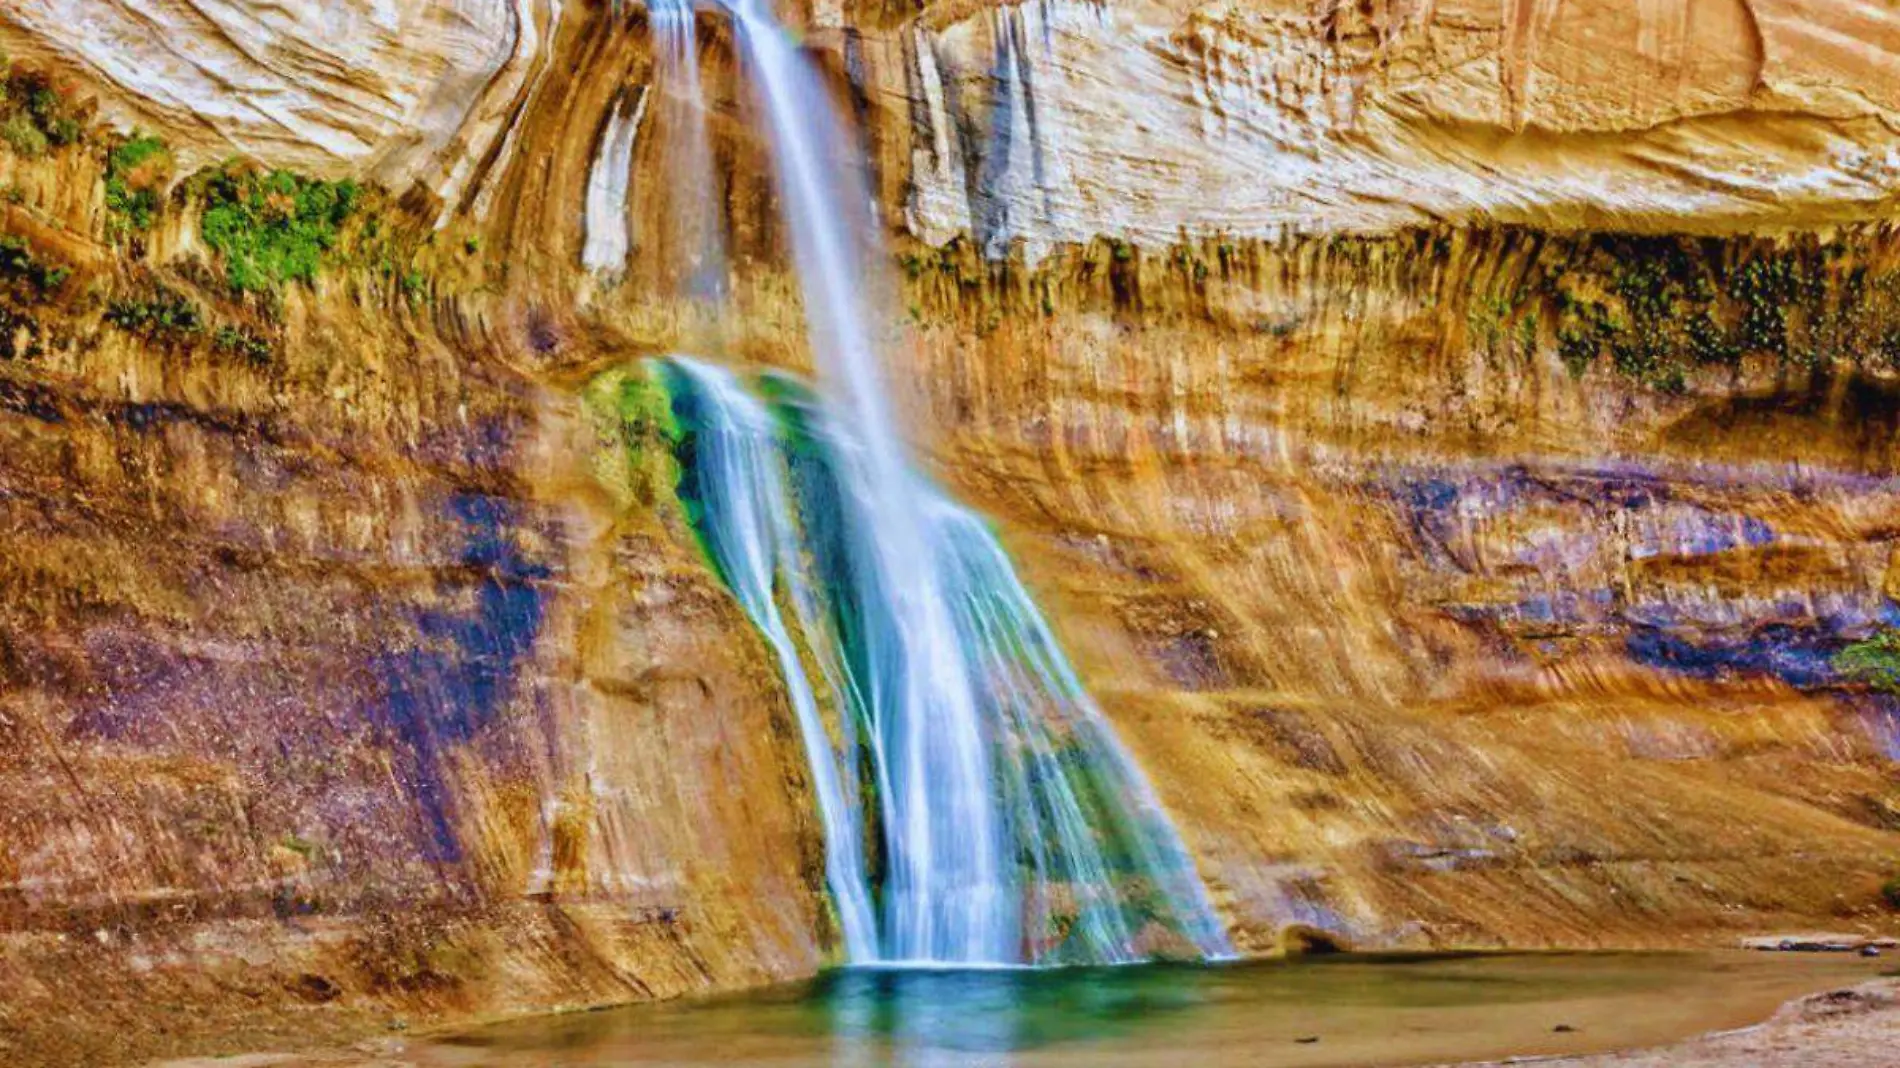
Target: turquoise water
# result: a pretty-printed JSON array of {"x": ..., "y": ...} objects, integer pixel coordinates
[{"x": 1309, "y": 1014}]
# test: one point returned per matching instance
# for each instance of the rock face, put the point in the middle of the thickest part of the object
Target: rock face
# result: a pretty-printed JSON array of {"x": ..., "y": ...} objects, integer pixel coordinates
[
  {"x": 1387, "y": 608},
  {"x": 426, "y": 93},
  {"x": 1059, "y": 120},
  {"x": 1055, "y": 122},
  {"x": 336, "y": 672},
  {"x": 1464, "y": 562}
]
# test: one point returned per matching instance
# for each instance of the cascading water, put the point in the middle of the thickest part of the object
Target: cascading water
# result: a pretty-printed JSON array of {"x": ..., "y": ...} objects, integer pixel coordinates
[
  {"x": 944, "y": 897},
  {"x": 696, "y": 245},
  {"x": 1013, "y": 826},
  {"x": 747, "y": 522},
  {"x": 1088, "y": 868}
]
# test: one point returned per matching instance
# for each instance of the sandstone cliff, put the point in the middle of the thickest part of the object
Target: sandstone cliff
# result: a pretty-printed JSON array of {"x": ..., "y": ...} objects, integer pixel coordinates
[{"x": 1454, "y": 440}]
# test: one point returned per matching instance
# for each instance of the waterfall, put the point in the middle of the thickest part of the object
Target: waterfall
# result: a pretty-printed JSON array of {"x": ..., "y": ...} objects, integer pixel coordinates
[
  {"x": 696, "y": 245},
  {"x": 746, "y": 520},
  {"x": 1011, "y": 825},
  {"x": 1087, "y": 868},
  {"x": 944, "y": 892}
]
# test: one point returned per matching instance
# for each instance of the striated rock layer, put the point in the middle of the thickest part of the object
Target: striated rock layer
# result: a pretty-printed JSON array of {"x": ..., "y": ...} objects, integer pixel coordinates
[
  {"x": 1056, "y": 121},
  {"x": 1457, "y": 581},
  {"x": 1425, "y": 640}
]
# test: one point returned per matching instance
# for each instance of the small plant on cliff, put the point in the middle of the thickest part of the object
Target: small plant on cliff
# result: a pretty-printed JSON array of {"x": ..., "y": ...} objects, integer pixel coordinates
[
  {"x": 25, "y": 274},
  {"x": 1890, "y": 893},
  {"x": 135, "y": 173},
  {"x": 162, "y": 316},
  {"x": 272, "y": 228},
  {"x": 415, "y": 286},
  {"x": 243, "y": 342},
  {"x": 1486, "y": 322},
  {"x": 35, "y": 115},
  {"x": 22, "y": 136},
  {"x": 1874, "y": 661}
]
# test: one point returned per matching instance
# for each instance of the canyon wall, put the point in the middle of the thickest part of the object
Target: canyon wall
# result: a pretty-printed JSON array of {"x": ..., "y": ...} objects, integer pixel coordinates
[{"x": 1453, "y": 439}]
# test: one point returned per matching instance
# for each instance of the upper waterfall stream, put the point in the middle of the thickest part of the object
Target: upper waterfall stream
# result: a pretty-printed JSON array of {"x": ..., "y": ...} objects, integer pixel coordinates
[{"x": 977, "y": 807}]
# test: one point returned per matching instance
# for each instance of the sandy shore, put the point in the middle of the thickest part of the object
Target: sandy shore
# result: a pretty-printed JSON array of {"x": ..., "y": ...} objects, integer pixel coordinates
[{"x": 1852, "y": 1028}]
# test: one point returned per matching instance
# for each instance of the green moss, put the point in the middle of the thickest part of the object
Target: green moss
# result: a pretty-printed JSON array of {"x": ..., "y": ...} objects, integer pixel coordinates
[
  {"x": 633, "y": 414},
  {"x": 1874, "y": 662},
  {"x": 132, "y": 184},
  {"x": 646, "y": 410},
  {"x": 1527, "y": 330},
  {"x": 271, "y": 229},
  {"x": 1486, "y": 319}
]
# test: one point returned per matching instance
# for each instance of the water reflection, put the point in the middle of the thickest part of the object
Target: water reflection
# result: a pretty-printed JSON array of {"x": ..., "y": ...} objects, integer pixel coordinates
[
  {"x": 940, "y": 1019},
  {"x": 1353, "y": 1011}
]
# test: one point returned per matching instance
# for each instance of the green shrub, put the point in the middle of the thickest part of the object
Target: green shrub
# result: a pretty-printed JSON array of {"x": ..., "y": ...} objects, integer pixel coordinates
[
  {"x": 1890, "y": 893},
  {"x": 163, "y": 316},
  {"x": 132, "y": 193},
  {"x": 272, "y": 228}
]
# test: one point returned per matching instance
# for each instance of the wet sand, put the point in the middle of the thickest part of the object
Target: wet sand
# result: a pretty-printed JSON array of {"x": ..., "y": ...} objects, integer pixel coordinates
[{"x": 1857, "y": 1027}]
